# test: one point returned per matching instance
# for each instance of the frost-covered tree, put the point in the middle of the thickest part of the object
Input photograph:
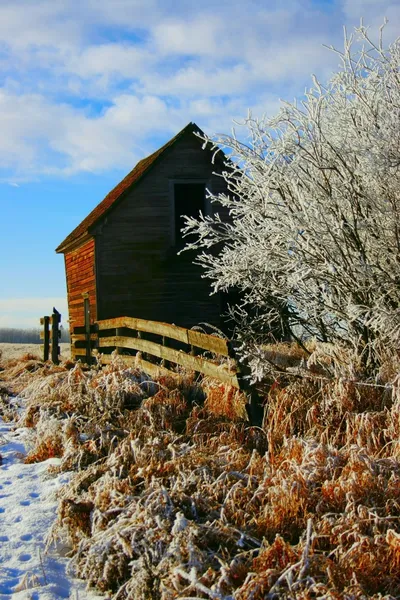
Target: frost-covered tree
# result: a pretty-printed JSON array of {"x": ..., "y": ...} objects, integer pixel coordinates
[{"x": 314, "y": 204}]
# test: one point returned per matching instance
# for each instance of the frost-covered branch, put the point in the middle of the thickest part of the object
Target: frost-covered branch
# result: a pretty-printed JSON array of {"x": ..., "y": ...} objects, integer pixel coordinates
[{"x": 314, "y": 203}]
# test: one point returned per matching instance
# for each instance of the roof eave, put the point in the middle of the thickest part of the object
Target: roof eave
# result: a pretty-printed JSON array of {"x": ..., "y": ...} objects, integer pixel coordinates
[{"x": 74, "y": 244}]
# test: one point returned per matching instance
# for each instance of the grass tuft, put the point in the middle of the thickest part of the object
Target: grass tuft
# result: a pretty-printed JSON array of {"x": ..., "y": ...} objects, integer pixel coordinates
[{"x": 174, "y": 495}]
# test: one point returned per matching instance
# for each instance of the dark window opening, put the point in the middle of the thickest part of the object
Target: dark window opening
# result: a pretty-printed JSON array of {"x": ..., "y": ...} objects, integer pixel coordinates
[{"x": 189, "y": 201}]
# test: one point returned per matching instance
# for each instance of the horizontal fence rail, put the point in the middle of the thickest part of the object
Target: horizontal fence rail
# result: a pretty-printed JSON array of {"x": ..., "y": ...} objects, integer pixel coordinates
[
  {"x": 127, "y": 335},
  {"x": 186, "y": 336}
]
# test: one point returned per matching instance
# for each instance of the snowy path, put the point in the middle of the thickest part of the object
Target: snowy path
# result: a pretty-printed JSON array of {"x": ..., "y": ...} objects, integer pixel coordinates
[{"x": 27, "y": 511}]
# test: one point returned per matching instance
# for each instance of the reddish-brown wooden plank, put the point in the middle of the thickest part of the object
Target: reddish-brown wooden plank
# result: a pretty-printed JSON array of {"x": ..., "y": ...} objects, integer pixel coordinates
[
  {"x": 79, "y": 255},
  {"x": 75, "y": 294},
  {"x": 78, "y": 301},
  {"x": 81, "y": 274},
  {"x": 81, "y": 280}
]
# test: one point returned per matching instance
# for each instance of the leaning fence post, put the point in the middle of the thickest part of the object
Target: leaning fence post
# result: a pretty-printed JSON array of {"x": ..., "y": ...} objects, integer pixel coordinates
[
  {"x": 45, "y": 321},
  {"x": 254, "y": 408},
  {"x": 55, "y": 336}
]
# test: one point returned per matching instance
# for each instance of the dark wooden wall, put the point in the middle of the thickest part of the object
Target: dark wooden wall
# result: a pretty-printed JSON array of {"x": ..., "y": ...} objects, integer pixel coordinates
[
  {"x": 138, "y": 271},
  {"x": 80, "y": 271}
]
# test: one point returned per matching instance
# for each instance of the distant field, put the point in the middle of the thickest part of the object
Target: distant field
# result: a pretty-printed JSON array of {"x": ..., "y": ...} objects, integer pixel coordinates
[{"x": 18, "y": 350}]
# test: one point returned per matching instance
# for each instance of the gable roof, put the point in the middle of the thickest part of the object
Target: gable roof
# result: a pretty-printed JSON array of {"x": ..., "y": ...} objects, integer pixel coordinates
[{"x": 141, "y": 169}]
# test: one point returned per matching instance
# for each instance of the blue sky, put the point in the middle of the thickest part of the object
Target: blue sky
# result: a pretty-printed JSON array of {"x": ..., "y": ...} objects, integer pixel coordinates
[{"x": 89, "y": 88}]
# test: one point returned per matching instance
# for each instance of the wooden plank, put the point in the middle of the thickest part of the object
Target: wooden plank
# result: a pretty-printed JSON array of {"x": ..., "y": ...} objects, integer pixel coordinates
[
  {"x": 156, "y": 327},
  {"x": 76, "y": 302},
  {"x": 79, "y": 351},
  {"x": 73, "y": 266},
  {"x": 72, "y": 260},
  {"x": 83, "y": 267},
  {"x": 208, "y": 342},
  {"x": 82, "y": 273},
  {"x": 187, "y": 336},
  {"x": 195, "y": 363},
  {"x": 84, "y": 248},
  {"x": 75, "y": 291},
  {"x": 76, "y": 287},
  {"x": 82, "y": 337}
]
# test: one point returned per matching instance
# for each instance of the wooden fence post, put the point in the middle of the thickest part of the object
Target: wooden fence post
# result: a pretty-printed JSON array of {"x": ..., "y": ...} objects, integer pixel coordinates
[
  {"x": 45, "y": 321},
  {"x": 165, "y": 363},
  {"x": 254, "y": 408},
  {"x": 55, "y": 336},
  {"x": 140, "y": 336},
  {"x": 118, "y": 333}
]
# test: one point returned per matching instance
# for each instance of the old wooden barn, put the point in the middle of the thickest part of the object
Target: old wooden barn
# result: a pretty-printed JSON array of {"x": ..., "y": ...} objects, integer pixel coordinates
[{"x": 123, "y": 255}]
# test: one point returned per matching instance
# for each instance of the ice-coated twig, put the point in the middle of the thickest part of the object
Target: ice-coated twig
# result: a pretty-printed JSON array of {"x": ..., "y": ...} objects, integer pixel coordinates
[
  {"x": 286, "y": 576},
  {"x": 192, "y": 578}
]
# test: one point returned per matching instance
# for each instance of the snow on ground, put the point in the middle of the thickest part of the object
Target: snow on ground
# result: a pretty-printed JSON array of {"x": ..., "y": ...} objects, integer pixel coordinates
[{"x": 27, "y": 511}]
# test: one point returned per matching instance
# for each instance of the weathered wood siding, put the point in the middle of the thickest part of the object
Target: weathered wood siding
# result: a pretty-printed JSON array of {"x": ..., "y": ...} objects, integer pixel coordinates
[
  {"x": 139, "y": 272},
  {"x": 81, "y": 278}
]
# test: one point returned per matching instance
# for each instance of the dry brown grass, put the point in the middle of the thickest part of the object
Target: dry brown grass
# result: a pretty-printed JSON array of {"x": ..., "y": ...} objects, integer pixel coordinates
[
  {"x": 175, "y": 496},
  {"x": 15, "y": 351}
]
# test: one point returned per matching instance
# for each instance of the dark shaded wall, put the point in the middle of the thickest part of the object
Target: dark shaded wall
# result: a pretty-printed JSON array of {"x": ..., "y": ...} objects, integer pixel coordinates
[{"x": 138, "y": 271}]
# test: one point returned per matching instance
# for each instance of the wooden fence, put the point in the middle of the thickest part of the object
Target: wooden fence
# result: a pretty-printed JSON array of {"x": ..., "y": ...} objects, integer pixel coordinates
[{"x": 154, "y": 346}]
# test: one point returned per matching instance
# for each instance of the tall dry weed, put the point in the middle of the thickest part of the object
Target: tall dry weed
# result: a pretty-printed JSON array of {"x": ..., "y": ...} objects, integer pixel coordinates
[{"x": 176, "y": 496}]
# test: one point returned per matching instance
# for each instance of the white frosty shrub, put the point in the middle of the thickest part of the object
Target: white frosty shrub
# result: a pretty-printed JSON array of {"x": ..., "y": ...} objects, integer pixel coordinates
[{"x": 314, "y": 204}]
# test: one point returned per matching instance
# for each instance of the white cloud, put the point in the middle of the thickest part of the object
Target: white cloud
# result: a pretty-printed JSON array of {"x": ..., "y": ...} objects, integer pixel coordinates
[
  {"x": 41, "y": 23},
  {"x": 88, "y": 84},
  {"x": 33, "y": 128},
  {"x": 196, "y": 80},
  {"x": 205, "y": 35},
  {"x": 113, "y": 59},
  {"x": 26, "y": 312},
  {"x": 116, "y": 137}
]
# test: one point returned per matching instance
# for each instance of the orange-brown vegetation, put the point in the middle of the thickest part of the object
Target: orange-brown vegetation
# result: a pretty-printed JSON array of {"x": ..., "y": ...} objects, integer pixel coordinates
[{"x": 176, "y": 496}]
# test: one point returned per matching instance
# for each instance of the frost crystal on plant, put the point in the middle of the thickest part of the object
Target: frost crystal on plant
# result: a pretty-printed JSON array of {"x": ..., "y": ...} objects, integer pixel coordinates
[{"x": 313, "y": 240}]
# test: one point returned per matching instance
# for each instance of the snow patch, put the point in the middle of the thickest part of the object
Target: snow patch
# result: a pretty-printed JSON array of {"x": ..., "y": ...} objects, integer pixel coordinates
[{"x": 28, "y": 507}]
